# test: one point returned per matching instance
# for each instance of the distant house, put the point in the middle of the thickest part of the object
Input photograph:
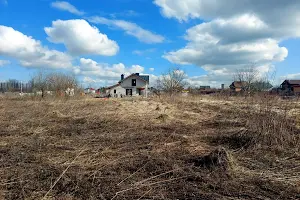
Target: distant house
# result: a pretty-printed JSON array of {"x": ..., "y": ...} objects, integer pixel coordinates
[
  {"x": 290, "y": 87},
  {"x": 185, "y": 93},
  {"x": 133, "y": 85},
  {"x": 70, "y": 92},
  {"x": 238, "y": 86},
  {"x": 274, "y": 91},
  {"x": 89, "y": 91},
  {"x": 204, "y": 87}
]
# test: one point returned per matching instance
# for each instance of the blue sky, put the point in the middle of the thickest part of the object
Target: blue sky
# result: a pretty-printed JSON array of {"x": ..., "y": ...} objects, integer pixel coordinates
[{"x": 99, "y": 40}]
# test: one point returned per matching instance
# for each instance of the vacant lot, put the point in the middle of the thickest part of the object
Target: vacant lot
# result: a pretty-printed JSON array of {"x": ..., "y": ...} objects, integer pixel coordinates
[{"x": 180, "y": 148}]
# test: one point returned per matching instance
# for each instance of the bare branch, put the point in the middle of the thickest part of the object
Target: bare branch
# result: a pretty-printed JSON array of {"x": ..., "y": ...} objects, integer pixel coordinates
[{"x": 172, "y": 82}]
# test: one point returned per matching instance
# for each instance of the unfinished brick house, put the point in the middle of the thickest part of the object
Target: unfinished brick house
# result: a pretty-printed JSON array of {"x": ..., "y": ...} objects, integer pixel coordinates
[
  {"x": 238, "y": 86},
  {"x": 133, "y": 85},
  {"x": 290, "y": 87}
]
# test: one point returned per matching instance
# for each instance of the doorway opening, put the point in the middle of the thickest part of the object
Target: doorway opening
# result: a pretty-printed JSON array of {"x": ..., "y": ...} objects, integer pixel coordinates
[{"x": 128, "y": 92}]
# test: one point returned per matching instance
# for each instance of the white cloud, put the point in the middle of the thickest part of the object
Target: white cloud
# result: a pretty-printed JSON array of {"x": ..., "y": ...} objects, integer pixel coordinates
[
  {"x": 103, "y": 71},
  {"x": 278, "y": 80},
  {"x": 66, "y": 6},
  {"x": 270, "y": 11},
  {"x": 98, "y": 81},
  {"x": 142, "y": 52},
  {"x": 151, "y": 69},
  {"x": 80, "y": 38},
  {"x": 212, "y": 53},
  {"x": 90, "y": 80},
  {"x": 29, "y": 51},
  {"x": 291, "y": 76},
  {"x": 130, "y": 29},
  {"x": 126, "y": 13},
  {"x": 4, "y": 62},
  {"x": 138, "y": 52},
  {"x": 235, "y": 34},
  {"x": 212, "y": 79}
]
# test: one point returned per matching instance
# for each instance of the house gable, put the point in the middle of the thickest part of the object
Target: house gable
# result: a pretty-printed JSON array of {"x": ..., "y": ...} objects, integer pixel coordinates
[
  {"x": 290, "y": 87},
  {"x": 293, "y": 82},
  {"x": 128, "y": 82},
  {"x": 131, "y": 85},
  {"x": 144, "y": 78}
]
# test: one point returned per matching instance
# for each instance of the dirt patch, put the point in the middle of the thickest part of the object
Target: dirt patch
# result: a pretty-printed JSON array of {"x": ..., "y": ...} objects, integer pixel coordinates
[{"x": 219, "y": 158}]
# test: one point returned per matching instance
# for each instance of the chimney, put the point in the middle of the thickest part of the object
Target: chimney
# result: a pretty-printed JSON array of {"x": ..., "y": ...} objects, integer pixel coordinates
[
  {"x": 138, "y": 74},
  {"x": 122, "y": 77},
  {"x": 223, "y": 86}
]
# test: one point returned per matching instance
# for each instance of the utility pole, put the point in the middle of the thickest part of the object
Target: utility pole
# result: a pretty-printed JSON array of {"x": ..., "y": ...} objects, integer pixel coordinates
[
  {"x": 147, "y": 90},
  {"x": 21, "y": 87}
]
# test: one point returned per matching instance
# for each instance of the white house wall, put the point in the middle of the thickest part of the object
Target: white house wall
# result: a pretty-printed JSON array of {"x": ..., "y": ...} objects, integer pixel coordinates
[
  {"x": 119, "y": 91},
  {"x": 127, "y": 84}
]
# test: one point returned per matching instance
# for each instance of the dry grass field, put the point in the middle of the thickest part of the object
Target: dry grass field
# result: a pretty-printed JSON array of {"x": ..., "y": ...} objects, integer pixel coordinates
[{"x": 181, "y": 148}]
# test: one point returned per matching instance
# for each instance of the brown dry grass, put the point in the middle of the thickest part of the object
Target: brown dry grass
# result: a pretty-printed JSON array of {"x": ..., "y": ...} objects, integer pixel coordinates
[{"x": 180, "y": 148}]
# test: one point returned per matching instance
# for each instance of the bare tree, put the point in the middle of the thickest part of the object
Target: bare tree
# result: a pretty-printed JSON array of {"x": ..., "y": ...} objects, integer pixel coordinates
[
  {"x": 252, "y": 80},
  {"x": 39, "y": 82},
  {"x": 57, "y": 82},
  {"x": 61, "y": 82},
  {"x": 264, "y": 82},
  {"x": 246, "y": 77},
  {"x": 172, "y": 82}
]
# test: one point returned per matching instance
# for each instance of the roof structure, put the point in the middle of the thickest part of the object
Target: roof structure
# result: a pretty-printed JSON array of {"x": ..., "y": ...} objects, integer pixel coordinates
[
  {"x": 110, "y": 87},
  {"x": 293, "y": 82},
  {"x": 142, "y": 77},
  {"x": 239, "y": 84},
  {"x": 145, "y": 77}
]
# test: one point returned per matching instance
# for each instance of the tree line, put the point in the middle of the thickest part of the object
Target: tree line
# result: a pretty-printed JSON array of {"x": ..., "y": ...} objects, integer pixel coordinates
[
  {"x": 13, "y": 85},
  {"x": 175, "y": 80},
  {"x": 55, "y": 82}
]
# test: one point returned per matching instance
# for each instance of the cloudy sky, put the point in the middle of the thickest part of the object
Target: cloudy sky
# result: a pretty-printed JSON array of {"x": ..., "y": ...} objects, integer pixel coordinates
[{"x": 99, "y": 40}]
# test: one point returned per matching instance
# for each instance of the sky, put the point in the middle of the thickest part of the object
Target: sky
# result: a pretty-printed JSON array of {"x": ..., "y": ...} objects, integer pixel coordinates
[{"x": 99, "y": 40}]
